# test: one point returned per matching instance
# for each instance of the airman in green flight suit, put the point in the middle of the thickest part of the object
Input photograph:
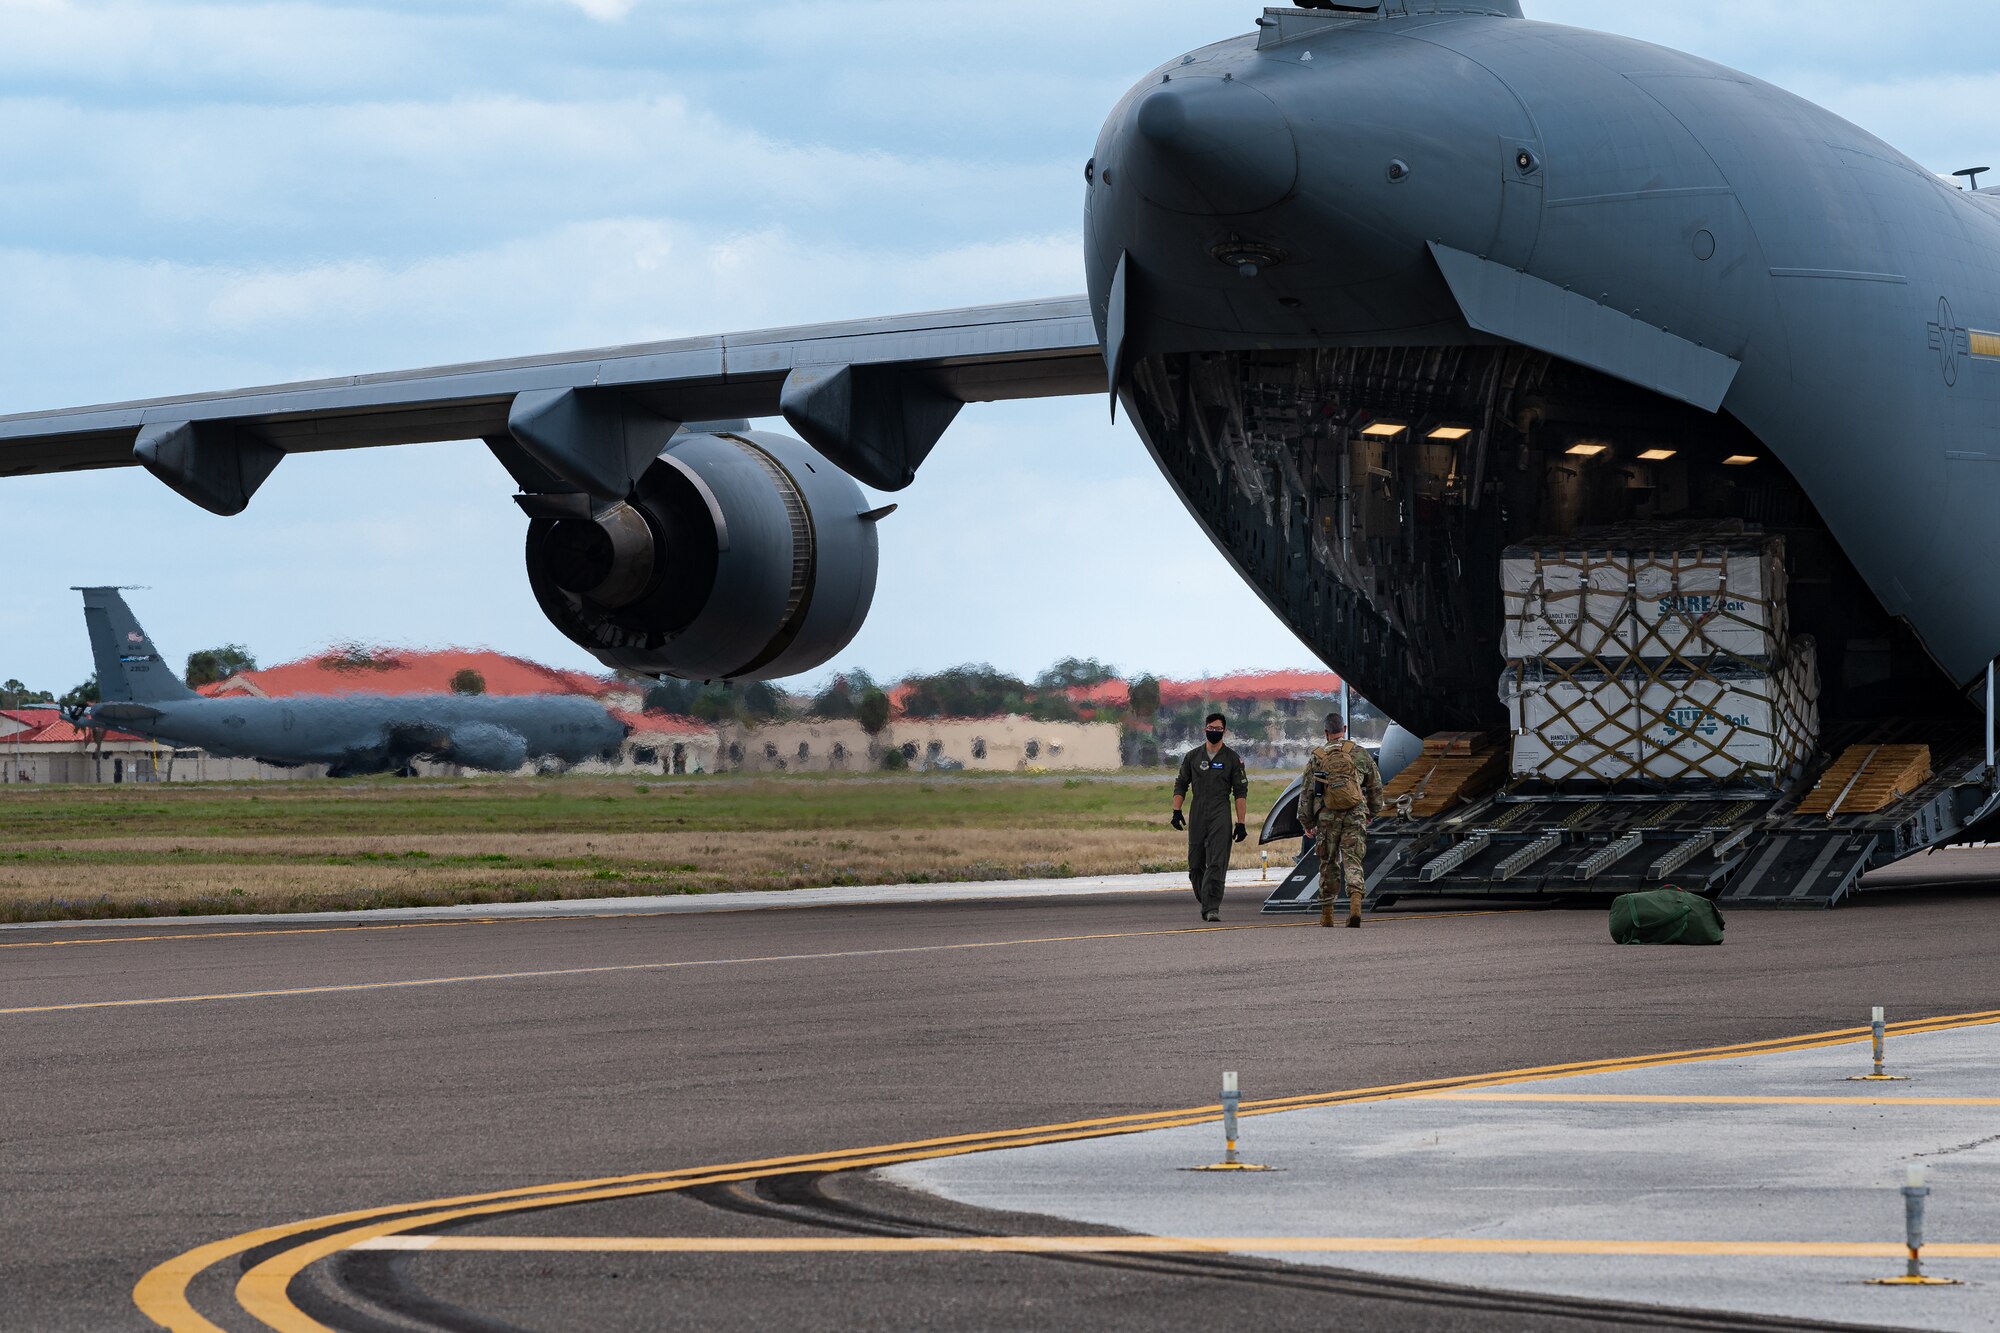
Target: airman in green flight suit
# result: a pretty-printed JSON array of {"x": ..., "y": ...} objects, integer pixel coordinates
[{"x": 1213, "y": 773}]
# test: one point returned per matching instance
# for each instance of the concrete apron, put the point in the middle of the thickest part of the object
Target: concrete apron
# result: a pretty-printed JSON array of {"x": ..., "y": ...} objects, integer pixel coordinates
[
  {"x": 1247, "y": 889},
  {"x": 1446, "y": 1166}
]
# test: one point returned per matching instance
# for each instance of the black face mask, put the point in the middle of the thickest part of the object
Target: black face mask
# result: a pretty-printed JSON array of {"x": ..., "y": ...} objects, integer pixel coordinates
[{"x": 1214, "y": 737}]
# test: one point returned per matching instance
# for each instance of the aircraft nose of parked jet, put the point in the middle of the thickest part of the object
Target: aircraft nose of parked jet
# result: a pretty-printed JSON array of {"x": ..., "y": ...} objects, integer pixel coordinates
[{"x": 1212, "y": 146}]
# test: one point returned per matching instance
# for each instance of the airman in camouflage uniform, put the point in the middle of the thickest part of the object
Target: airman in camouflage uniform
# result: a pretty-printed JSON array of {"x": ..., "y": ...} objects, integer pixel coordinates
[{"x": 1338, "y": 772}]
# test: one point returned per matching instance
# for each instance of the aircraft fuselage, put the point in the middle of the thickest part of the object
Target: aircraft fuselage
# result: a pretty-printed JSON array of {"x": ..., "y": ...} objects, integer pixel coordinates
[
  {"x": 375, "y": 733},
  {"x": 1546, "y": 235}
]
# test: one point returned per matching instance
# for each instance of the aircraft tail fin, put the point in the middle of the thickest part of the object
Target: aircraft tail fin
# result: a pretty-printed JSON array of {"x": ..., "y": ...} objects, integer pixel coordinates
[{"x": 129, "y": 668}]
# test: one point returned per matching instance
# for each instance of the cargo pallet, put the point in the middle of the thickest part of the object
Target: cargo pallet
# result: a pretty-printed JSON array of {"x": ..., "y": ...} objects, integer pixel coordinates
[{"x": 1873, "y": 797}]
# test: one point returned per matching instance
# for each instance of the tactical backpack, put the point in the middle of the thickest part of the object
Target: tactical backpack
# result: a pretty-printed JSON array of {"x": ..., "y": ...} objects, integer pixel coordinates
[
  {"x": 1341, "y": 793},
  {"x": 1665, "y": 916}
]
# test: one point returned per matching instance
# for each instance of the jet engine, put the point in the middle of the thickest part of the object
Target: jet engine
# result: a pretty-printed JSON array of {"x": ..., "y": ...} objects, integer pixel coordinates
[
  {"x": 488, "y": 747},
  {"x": 738, "y": 556}
]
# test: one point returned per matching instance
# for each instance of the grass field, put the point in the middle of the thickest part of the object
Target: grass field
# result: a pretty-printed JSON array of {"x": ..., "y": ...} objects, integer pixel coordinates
[{"x": 99, "y": 851}]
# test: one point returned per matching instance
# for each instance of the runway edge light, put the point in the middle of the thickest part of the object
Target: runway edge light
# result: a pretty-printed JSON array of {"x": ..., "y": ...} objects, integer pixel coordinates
[
  {"x": 1879, "y": 1029},
  {"x": 1232, "y": 1100},
  {"x": 1916, "y": 1189}
]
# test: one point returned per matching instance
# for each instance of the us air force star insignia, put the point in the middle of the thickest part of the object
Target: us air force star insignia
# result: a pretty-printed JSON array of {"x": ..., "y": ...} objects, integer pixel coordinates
[{"x": 1949, "y": 341}]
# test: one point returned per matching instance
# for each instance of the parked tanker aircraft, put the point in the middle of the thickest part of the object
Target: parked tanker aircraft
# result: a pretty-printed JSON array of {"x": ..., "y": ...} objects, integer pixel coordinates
[
  {"x": 1363, "y": 280},
  {"x": 350, "y": 734}
]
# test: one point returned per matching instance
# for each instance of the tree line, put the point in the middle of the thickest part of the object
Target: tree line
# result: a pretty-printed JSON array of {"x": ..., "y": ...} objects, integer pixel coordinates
[{"x": 976, "y": 689}]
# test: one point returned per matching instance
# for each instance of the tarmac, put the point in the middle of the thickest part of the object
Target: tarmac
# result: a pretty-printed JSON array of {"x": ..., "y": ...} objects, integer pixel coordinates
[
  {"x": 1243, "y": 881},
  {"x": 212, "y": 1124}
]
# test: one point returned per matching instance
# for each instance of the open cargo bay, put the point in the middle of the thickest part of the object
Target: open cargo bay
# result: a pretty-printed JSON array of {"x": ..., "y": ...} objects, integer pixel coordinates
[
  {"x": 1664, "y": 727},
  {"x": 1770, "y": 853}
]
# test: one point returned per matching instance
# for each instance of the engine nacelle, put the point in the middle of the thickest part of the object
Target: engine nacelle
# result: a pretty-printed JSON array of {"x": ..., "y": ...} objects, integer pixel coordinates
[
  {"x": 739, "y": 556},
  {"x": 485, "y": 746}
]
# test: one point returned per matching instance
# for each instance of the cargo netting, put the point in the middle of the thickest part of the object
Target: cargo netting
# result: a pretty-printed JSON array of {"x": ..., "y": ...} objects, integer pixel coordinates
[{"x": 1656, "y": 656}]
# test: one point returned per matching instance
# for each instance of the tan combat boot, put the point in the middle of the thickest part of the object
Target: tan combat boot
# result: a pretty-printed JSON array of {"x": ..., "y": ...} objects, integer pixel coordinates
[
  {"x": 1354, "y": 910},
  {"x": 1325, "y": 908}
]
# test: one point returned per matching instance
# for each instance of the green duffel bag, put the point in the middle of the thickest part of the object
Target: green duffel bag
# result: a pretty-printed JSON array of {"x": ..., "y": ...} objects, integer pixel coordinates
[{"x": 1665, "y": 916}]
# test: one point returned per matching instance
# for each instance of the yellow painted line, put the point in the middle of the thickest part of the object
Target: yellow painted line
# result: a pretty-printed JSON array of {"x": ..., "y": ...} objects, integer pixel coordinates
[
  {"x": 1761, "y": 1249},
  {"x": 1741, "y": 1050},
  {"x": 1669, "y": 1099},
  {"x": 161, "y": 1294},
  {"x": 263, "y": 1291}
]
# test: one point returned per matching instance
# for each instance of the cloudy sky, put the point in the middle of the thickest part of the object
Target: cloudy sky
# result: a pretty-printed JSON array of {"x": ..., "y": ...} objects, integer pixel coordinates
[{"x": 199, "y": 196}]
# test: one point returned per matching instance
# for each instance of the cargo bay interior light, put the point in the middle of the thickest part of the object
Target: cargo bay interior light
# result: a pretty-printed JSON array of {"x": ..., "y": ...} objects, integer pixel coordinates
[
  {"x": 1657, "y": 455},
  {"x": 1448, "y": 432},
  {"x": 1739, "y": 460},
  {"x": 1381, "y": 428},
  {"x": 1588, "y": 449}
]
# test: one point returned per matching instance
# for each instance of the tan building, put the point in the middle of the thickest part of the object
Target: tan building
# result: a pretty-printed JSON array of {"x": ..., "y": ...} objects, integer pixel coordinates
[
  {"x": 665, "y": 743},
  {"x": 987, "y": 744},
  {"x": 809, "y": 746},
  {"x": 38, "y": 746},
  {"x": 1005, "y": 744}
]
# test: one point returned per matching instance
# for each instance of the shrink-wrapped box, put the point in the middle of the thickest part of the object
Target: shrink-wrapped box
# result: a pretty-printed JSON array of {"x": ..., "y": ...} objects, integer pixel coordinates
[
  {"x": 1682, "y": 725},
  {"x": 1651, "y": 593}
]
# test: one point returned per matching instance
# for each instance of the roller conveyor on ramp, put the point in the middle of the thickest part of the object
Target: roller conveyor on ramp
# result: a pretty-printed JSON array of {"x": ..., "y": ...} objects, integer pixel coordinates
[{"x": 1743, "y": 850}]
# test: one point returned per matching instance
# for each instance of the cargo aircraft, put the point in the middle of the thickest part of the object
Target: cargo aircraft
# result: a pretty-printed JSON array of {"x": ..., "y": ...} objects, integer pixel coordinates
[
  {"x": 349, "y": 733},
  {"x": 1383, "y": 286}
]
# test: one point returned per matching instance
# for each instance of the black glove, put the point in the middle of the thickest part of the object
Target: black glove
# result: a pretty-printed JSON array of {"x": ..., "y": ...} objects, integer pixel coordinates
[
  {"x": 1241, "y": 832},
  {"x": 1180, "y": 821}
]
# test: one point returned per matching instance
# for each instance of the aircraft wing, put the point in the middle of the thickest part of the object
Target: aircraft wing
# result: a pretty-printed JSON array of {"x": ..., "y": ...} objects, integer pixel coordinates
[{"x": 871, "y": 394}]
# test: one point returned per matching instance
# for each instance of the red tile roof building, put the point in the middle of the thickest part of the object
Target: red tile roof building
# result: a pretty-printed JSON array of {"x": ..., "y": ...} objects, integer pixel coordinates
[
  {"x": 407, "y": 671},
  {"x": 36, "y": 726},
  {"x": 37, "y": 745},
  {"x": 1258, "y": 687},
  {"x": 1263, "y": 687}
]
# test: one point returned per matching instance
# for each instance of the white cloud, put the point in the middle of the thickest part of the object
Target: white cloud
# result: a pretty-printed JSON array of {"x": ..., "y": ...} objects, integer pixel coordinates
[
  {"x": 204, "y": 195},
  {"x": 105, "y": 329},
  {"x": 406, "y": 177},
  {"x": 1036, "y": 526}
]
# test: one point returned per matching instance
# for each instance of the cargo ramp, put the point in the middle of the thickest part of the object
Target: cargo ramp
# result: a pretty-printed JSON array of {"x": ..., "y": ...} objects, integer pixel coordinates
[
  {"x": 1872, "y": 799},
  {"x": 1663, "y": 727}
]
